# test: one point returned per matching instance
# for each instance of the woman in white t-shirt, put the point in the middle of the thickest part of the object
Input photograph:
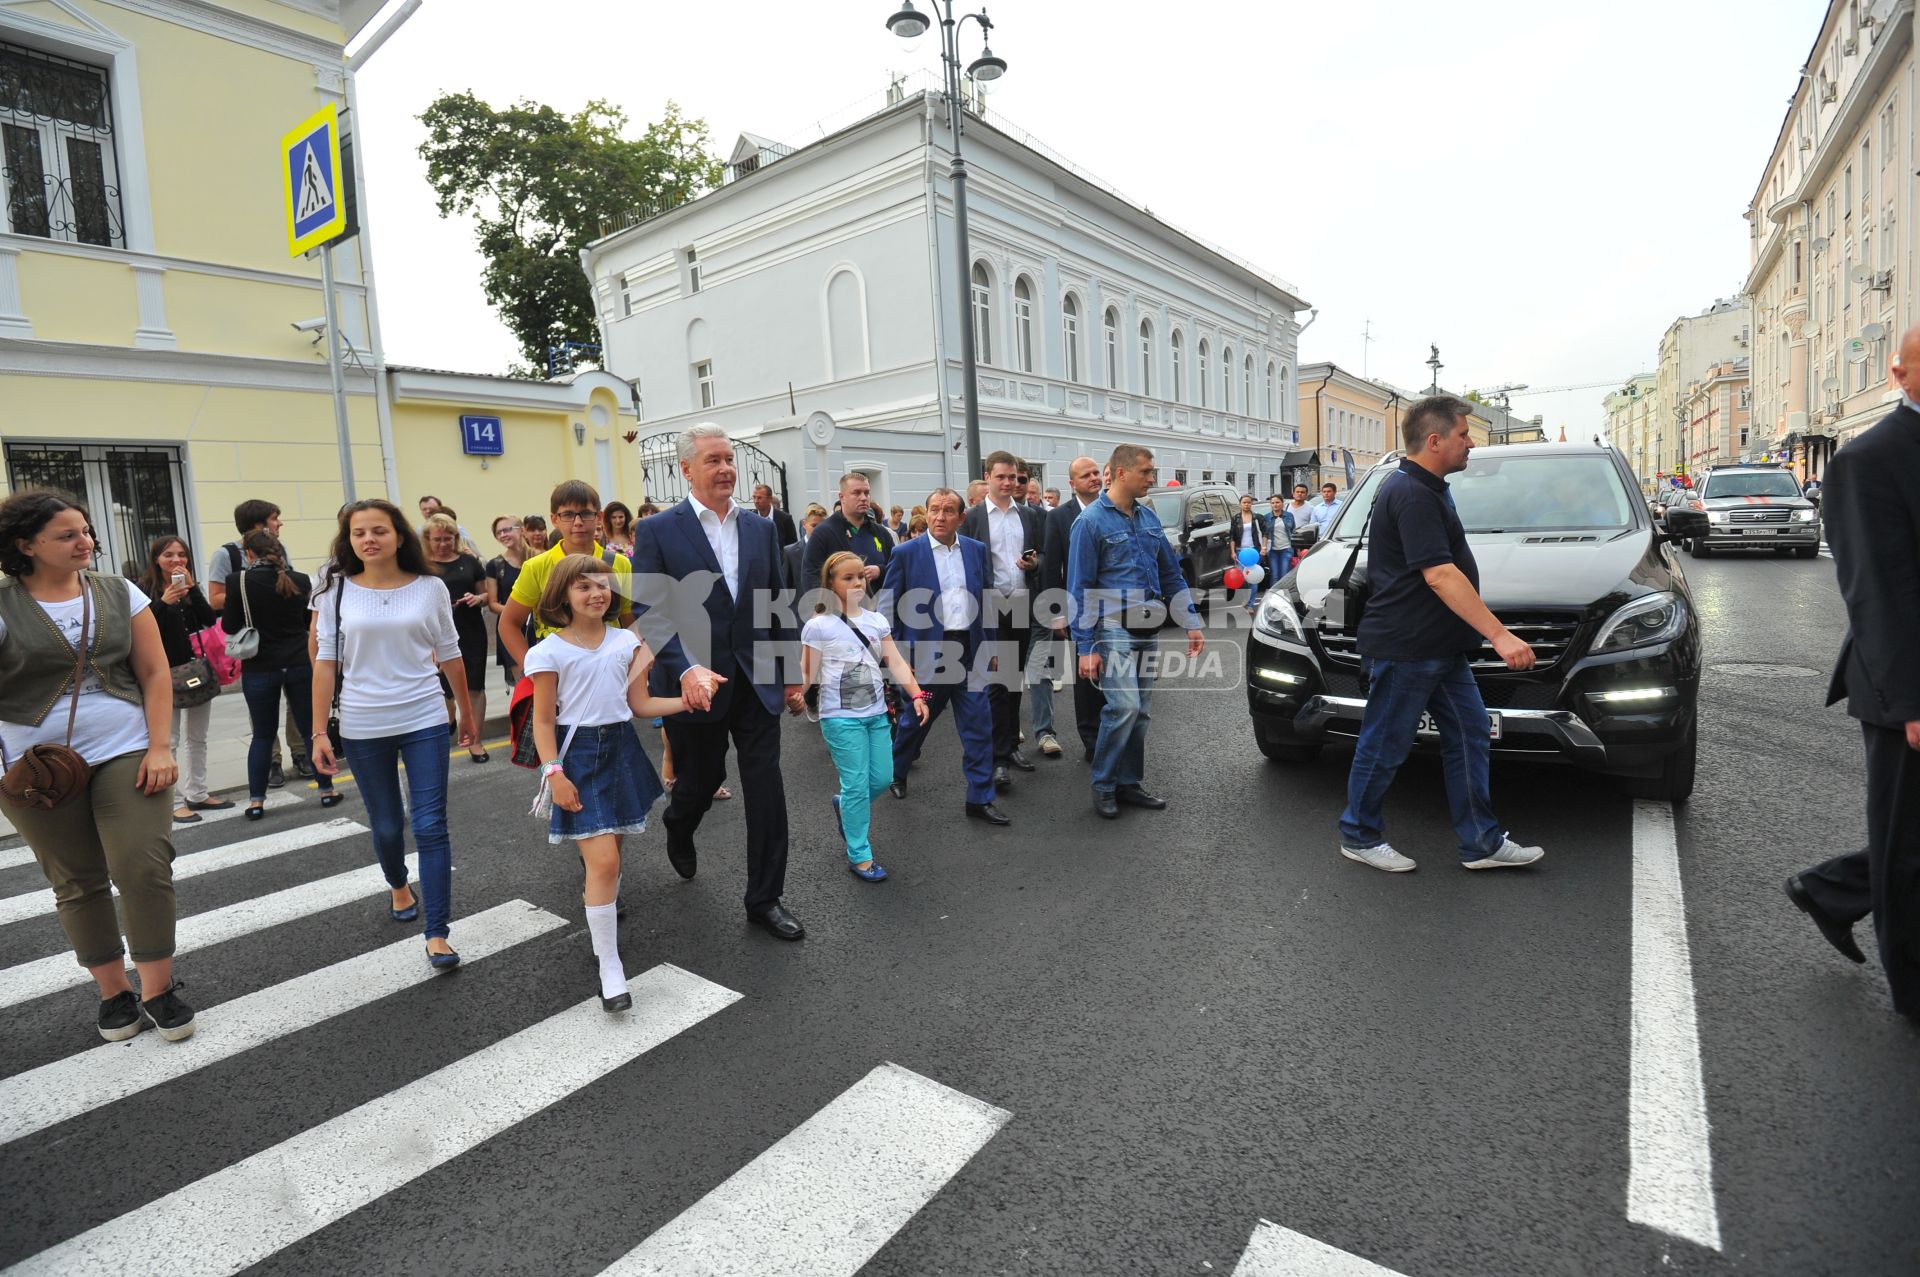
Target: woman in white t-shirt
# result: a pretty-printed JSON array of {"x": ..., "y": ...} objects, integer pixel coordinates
[
  {"x": 843, "y": 651},
  {"x": 383, "y": 634},
  {"x": 589, "y": 680},
  {"x": 116, "y": 833}
]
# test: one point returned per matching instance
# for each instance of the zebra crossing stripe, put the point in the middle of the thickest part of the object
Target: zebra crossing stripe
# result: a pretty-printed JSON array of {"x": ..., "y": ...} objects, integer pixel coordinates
[
  {"x": 52, "y": 1093},
  {"x": 14, "y": 857},
  {"x": 239, "y": 1216},
  {"x": 203, "y": 930},
  {"x": 35, "y": 903},
  {"x": 1274, "y": 1251},
  {"x": 827, "y": 1196}
]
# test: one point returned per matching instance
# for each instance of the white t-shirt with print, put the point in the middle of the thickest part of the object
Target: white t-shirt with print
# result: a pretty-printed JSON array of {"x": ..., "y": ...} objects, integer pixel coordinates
[
  {"x": 850, "y": 679},
  {"x": 592, "y": 681},
  {"x": 104, "y": 727}
]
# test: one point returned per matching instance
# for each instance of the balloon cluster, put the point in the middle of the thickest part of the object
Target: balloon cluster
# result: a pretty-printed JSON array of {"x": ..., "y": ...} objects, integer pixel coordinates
[{"x": 1249, "y": 572}]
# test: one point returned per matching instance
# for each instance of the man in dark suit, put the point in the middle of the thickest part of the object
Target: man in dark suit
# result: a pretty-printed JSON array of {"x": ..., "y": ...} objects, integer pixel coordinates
[
  {"x": 765, "y": 506},
  {"x": 1874, "y": 525},
  {"x": 712, "y": 648},
  {"x": 934, "y": 597},
  {"x": 1012, "y": 533},
  {"x": 1083, "y": 482}
]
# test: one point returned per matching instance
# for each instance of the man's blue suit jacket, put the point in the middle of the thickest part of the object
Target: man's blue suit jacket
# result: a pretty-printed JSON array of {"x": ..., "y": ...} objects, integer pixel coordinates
[{"x": 911, "y": 587}]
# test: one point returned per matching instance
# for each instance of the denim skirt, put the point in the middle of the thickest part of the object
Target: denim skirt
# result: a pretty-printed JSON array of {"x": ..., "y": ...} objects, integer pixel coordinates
[{"x": 618, "y": 786}]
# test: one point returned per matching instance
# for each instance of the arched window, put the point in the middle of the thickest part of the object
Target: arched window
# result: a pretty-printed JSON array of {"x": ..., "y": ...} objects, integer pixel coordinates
[
  {"x": 1246, "y": 388},
  {"x": 1070, "y": 335},
  {"x": 1277, "y": 403},
  {"x": 1205, "y": 395},
  {"x": 1226, "y": 379},
  {"x": 1146, "y": 356},
  {"x": 1023, "y": 324},
  {"x": 982, "y": 314},
  {"x": 1110, "y": 325},
  {"x": 1273, "y": 401},
  {"x": 1178, "y": 342}
]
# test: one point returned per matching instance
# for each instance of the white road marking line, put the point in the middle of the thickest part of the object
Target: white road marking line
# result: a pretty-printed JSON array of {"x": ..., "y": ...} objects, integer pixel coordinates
[
  {"x": 238, "y": 1216},
  {"x": 52, "y": 1093},
  {"x": 827, "y": 1196},
  {"x": 203, "y": 930},
  {"x": 1274, "y": 1251},
  {"x": 34, "y": 903},
  {"x": 1670, "y": 1177},
  {"x": 14, "y": 857}
]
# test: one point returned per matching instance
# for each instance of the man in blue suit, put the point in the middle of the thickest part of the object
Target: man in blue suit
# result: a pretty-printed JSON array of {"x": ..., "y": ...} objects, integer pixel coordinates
[
  {"x": 934, "y": 595},
  {"x": 706, "y": 576}
]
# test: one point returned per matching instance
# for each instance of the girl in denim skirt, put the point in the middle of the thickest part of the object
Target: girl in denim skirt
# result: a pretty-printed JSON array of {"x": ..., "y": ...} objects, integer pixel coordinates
[{"x": 588, "y": 682}]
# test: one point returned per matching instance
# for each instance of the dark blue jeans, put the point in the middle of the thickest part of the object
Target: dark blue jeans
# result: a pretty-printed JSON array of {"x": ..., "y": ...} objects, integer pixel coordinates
[
  {"x": 376, "y": 768},
  {"x": 263, "y": 692},
  {"x": 1400, "y": 691}
]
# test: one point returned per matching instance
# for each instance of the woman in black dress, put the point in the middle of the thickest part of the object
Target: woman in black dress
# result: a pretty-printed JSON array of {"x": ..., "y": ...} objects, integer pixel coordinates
[
  {"x": 181, "y": 611},
  {"x": 503, "y": 569},
  {"x": 466, "y": 582}
]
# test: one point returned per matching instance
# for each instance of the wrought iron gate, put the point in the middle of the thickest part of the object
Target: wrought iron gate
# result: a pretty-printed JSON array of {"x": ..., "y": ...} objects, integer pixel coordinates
[{"x": 664, "y": 484}]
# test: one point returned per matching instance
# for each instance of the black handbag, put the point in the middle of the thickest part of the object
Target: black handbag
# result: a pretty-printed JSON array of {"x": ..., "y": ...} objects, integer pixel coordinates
[{"x": 194, "y": 683}]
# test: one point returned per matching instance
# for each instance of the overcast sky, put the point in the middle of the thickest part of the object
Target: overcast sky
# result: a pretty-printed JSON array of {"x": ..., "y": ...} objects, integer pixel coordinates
[{"x": 1540, "y": 188}]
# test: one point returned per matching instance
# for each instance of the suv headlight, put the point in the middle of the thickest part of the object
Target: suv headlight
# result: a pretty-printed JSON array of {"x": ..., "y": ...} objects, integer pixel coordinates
[
  {"x": 1803, "y": 516},
  {"x": 1278, "y": 620},
  {"x": 1716, "y": 516},
  {"x": 1657, "y": 618}
]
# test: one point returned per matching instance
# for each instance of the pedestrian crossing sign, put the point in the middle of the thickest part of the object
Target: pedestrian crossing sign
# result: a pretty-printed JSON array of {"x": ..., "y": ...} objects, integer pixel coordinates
[{"x": 310, "y": 176}]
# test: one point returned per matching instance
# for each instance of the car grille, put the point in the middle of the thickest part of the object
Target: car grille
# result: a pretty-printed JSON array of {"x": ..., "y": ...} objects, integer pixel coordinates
[
  {"x": 1550, "y": 634},
  {"x": 1759, "y": 516}
]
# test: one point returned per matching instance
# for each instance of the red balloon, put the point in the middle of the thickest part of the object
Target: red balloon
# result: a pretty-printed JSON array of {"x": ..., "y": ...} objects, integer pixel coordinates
[{"x": 1234, "y": 578}]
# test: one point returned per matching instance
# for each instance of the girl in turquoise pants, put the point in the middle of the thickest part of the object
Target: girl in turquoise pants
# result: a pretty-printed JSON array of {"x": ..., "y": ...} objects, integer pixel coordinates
[{"x": 846, "y": 652}]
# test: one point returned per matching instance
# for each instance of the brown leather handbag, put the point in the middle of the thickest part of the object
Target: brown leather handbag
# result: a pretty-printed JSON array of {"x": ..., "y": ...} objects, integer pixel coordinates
[{"x": 49, "y": 776}]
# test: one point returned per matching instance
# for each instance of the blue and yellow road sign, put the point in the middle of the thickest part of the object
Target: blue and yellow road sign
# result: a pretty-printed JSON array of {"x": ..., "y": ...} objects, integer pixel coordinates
[{"x": 310, "y": 174}]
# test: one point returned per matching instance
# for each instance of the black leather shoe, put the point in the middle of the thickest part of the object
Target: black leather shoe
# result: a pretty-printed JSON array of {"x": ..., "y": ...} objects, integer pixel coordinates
[
  {"x": 681, "y": 855},
  {"x": 619, "y": 1002},
  {"x": 898, "y": 788},
  {"x": 1002, "y": 778},
  {"x": 1134, "y": 796},
  {"x": 776, "y": 919},
  {"x": 1838, "y": 933},
  {"x": 1105, "y": 805},
  {"x": 989, "y": 813},
  {"x": 1020, "y": 760}
]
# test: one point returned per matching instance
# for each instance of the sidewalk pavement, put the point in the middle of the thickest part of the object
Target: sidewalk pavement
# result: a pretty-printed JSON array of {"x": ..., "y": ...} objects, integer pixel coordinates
[{"x": 230, "y": 731}]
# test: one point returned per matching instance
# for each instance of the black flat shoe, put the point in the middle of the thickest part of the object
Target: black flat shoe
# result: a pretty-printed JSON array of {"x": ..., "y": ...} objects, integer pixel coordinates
[
  {"x": 191, "y": 818},
  {"x": 1134, "y": 796},
  {"x": 776, "y": 919},
  {"x": 480, "y": 757},
  {"x": 255, "y": 813},
  {"x": 332, "y": 798},
  {"x": 210, "y": 804},
  {"x": 623, "y": 1002},
  {"x": 1838, "y": 934},
  {"x": 989, "y": 813},
  {"x": 1106, "y": 806},
  {"x": 898, "y": 788}
]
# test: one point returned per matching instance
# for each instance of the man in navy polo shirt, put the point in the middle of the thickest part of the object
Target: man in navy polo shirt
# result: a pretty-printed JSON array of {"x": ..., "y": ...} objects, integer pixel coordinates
[{"x": 1422, "y": 619}]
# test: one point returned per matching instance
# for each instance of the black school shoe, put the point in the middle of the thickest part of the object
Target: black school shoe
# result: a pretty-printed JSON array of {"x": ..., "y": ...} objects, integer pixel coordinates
[
  {"x": 172, "y": 1017},
  {"x": 120, "y": 1017}
]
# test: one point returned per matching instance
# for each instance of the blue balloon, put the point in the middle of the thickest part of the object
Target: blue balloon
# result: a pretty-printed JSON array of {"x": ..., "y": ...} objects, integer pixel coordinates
[{"x": 1249, "y": 557}]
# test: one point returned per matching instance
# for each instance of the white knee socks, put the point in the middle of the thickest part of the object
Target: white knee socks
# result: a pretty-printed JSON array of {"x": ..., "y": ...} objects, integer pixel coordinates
[{"x": 603, "y": 925}]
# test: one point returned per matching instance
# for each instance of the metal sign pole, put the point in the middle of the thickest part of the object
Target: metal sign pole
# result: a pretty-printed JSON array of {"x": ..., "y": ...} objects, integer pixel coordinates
[{"x": 334, "y": 373}]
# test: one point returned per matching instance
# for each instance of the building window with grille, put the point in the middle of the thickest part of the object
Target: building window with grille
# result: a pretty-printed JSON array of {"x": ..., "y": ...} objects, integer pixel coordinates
[
  {"x": 1179, "y": 345},
  {"x": 1070, "y": 336},
  {"x": 1246, "y": 398},
  {"x": 1226, "y": 379},
  {"x": 693, "y": 271},
  {"x": 703, "y": 381},
  {"x": 982, "y": 289},
  {"x": 1204, "y": 396},
  {"x": 59, "y": 178},
  {"x": 1023, "y": 324},
  {"x": 1146, "y": 356},
  {"x": 1111, "y": 326}
]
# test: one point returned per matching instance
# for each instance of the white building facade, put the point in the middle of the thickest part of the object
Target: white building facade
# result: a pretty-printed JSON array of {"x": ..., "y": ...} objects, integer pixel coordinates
[{"x": 815, "y": 296}]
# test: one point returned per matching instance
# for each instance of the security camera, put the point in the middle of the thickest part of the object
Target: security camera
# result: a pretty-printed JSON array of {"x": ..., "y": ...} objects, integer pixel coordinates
[{"x": 310, "y": 325}]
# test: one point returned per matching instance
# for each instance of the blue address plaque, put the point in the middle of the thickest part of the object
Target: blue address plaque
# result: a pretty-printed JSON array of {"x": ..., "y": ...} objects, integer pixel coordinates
[{"x": 482, "y": 436}]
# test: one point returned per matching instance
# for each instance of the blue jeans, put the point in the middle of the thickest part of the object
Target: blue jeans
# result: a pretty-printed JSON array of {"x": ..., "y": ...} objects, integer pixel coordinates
[
  {"x": 262, "y": 691},
  {"x": 1126, "y": 681},
  {"x": 1043, "y": 660},
  {"x": 862, "y": 750},
  {"x": 376, "y": 764},
  {"x": 1400, "y": 691}
]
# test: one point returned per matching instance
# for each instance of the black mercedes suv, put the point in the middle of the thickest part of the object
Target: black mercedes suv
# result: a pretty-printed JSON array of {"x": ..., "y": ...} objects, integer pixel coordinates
[{"x": 1570, "y": 561}]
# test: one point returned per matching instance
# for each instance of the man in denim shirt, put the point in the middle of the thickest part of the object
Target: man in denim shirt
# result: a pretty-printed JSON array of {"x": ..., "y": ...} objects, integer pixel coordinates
[
  {"x": 1423, "y": 618},
  {"x": 1121, "y": 577}
]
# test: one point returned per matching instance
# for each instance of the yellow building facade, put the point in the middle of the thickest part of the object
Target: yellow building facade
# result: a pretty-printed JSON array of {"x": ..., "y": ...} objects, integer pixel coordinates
[{"x": 161, "y": 354}]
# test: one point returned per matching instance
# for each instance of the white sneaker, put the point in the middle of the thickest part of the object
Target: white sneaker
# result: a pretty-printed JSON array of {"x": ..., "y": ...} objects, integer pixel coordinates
[
  {"x": 1383, "y": 857},
  {"x": 1510, "y": 855},
  {"x": 1050, "y": 744}
]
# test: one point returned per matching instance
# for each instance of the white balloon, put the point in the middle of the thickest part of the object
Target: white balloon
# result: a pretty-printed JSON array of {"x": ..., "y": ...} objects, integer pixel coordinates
[{"x": 1254, "y": 574}]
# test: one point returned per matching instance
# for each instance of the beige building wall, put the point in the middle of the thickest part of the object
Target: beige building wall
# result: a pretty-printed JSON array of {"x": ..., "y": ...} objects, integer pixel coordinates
[
  {"x": 1691, "y": 345},
  {"x": 1341, "y": 411}
]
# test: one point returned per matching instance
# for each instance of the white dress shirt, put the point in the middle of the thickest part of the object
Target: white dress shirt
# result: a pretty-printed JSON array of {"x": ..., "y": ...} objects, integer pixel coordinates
[
  {"x": 723, "y": 534},
  {"x": 1008, "y": 538},
  {"x": 954, "y": 608}
]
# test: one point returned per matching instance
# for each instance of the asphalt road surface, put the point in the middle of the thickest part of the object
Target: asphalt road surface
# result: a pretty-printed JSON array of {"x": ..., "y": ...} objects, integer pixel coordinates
[{"x": 1184, "y": 1042}]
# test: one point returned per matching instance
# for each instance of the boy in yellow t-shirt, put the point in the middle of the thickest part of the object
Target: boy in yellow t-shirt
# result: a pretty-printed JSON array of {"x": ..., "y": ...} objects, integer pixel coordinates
[{"x": 575, "y": 510}]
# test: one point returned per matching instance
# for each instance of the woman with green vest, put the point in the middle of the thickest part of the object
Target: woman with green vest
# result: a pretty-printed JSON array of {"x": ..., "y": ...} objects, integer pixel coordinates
[{"x": 58, "y": 620}]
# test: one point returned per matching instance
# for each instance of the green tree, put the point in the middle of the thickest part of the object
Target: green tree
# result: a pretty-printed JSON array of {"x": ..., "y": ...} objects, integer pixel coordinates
[{"x": 542, "y": 185}]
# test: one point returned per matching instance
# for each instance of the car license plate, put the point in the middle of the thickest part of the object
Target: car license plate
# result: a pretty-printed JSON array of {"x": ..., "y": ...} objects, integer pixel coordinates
[
  {"x": 1428, "y": 727},
  {"x": 1761, "y": 532}
]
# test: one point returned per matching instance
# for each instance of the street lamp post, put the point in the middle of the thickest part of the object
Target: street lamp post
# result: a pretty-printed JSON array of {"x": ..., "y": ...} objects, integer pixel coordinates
[{"x": 910, "y": 24}]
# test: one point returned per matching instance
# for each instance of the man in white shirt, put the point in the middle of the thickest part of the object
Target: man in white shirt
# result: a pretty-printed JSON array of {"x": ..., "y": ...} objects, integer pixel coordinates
[
  {"x": 1323, "y": 513},
  {"x": 1012, "y": 533}
]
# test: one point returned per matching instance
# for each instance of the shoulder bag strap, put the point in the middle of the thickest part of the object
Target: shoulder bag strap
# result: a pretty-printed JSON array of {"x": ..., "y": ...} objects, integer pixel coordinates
[
  {"x": 1346, "y": 574},
  {"x": 872, "y": 649},
  {"x": 339, "y": 643},
  {"x": 80, "y": 654},
  {"x": 246, "y": 603}
]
